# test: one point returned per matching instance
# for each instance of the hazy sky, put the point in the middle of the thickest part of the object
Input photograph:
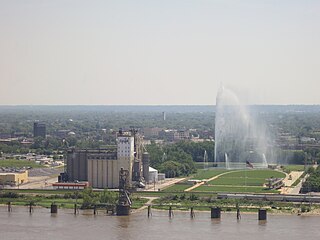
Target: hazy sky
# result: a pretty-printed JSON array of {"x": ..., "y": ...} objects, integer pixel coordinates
[{"x": 158, "y": 52}]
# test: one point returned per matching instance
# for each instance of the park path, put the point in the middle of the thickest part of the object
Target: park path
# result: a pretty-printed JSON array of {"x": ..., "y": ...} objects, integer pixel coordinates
[
  {"x": 163, "y": 184},
  {"x": 208, "y": 180},
  {"x": 294, "y": 177},
  {"x": 150, "y": 200},
  {"x": 296, "y": 189}
]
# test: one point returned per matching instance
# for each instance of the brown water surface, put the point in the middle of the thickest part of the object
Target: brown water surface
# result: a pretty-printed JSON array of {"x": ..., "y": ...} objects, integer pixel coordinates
[{"x": 41, "y": 225}]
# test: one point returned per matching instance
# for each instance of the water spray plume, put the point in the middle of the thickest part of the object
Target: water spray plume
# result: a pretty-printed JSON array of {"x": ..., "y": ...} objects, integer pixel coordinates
[{"x": 238, "y": 137}]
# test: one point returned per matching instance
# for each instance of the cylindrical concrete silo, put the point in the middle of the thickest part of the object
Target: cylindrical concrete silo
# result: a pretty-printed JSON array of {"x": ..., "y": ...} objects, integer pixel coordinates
[{"x": 145, "y": 166}]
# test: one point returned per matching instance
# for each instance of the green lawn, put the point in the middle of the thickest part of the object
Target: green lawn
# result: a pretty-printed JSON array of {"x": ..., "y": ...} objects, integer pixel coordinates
[
  {"x": 232, "y": 181},
  {"x": 178, "y": 187},
  {"x": 247, "y": 178},
  {"x": 43, "y": 202},
  {"x": 290, "y": 168},
  {"x": 19, "y": 163},
  {"x": 238, "y": 181},
  {"x": 259, "y": 173},
  {"x": 209, "y": 173},
  {"x": 236, "y": 189}
]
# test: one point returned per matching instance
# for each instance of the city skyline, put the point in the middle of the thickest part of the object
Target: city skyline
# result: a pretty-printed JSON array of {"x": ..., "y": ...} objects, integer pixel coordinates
[{"x": 158, "y": 53}]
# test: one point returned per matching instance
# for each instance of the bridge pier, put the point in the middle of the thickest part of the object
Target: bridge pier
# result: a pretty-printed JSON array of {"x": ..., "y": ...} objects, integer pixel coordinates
[
  {"x": 94, "y": 209},
  {"x": 54, "y": 208},
  {"x": 192, "y": 215},
  {"x": 216, "y": 212},
  {"x": 262, "y": 214},
  {"x": 170, "y": 212},
  {"x": 149, "y": 211},
  {"x": 30, "y": 207},
  {"x": 9, "y": 207}
]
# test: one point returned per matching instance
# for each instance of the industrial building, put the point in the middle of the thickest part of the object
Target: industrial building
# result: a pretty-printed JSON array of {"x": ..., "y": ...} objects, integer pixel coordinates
[
  {"x": 174, "y": 135},
  {"x": 70, "y": 186},
  {"x": 13, "y": 178},
  {"x": 39, "y": 129},
  {"x": 153, "y": 175},
  {"x": 101, "y": 167}
]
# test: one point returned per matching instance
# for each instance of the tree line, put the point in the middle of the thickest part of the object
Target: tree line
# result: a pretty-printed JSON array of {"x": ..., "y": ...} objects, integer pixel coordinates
[
  {"x": 312, "y": 183},
  {"x": 179, "y": 159}
]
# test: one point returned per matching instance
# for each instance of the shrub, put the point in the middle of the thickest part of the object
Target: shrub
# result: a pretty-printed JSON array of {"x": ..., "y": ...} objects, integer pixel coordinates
[{"x": 10, "y": 195}]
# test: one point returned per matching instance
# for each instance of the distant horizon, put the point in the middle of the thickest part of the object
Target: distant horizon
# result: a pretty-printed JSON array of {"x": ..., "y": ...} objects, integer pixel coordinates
[{"x": 151, "y": 105}]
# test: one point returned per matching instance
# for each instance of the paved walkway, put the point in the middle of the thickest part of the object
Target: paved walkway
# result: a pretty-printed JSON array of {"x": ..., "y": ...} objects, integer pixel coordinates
[
  {"x": 150, "y": 199},
  {"x": 296, "y": 189},
  {"x": 287, "y": 189},
  {"x": 163, "y": 184},
  {"x": 294, "y": 176}
]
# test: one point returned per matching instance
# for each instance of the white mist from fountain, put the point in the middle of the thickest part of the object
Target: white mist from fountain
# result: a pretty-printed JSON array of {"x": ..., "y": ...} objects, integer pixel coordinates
[
  {"x": 264, "y": 161},
  {"x": 227, "y": 161},
  {"x": 238, "y": 137},
  {"x": 205, "y": 160}
]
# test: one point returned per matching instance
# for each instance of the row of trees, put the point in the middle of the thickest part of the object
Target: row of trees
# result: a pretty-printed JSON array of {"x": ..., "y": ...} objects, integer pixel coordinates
[
  {"x": 179, "y": 159},
  {"x": 89, "y": 121},
  {"x": 91, "y": 198},
  {"x": 312, "y": 183}
]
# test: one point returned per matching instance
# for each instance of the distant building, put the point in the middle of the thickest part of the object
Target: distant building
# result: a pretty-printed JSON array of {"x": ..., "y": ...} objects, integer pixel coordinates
[
  {"x": 307, "y": 140},
  {"x": 153, "y": 175},
  {"x": 161, "y": 176},
  {"x": 62, "y": 133},
  {"x": 5, "y": 135},
  {"x": 181, "y": 135},
  {"x": 39, "y": 129},
  {"x": 151, "y": 132},
  {"x": 175, "y": 135},
  {"x": 13, "y": 178}
]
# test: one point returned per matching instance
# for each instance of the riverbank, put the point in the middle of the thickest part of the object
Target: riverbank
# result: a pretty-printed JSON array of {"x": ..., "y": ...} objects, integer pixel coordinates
[
  {"x": 165, "y": 210},
  {"x": 178, "y": 202}
]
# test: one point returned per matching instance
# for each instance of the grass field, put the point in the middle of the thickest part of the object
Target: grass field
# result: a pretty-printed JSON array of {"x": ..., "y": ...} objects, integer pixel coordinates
[
  {"x": 236, "y": 189},
  {"x": 177, "y": 188},
  {"x": 241, "y": 181},
  {"x": 232, "y": 181},
  {"x": 290, "y": 168},
  {"x": 208, "y": 173},
  {"x": 18, "y": 163},
  {"x": 259, "y": 173},
  {"x": 246, "y": 178},
  {"x": 238, "y": 181},
  {"x": 46, "y": 198}
]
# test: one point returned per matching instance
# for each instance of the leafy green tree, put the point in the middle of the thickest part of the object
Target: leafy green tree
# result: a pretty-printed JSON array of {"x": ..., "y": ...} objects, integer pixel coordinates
[
  {"x": 108, "y": 197},
  {"x": 312, "y": 183},
  {"x": 171, "y": 169},
  {"x": 90, "y": 198}
]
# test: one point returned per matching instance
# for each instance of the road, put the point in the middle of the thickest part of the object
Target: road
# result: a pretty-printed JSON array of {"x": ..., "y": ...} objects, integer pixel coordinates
[{"x": 39, "y": 182}]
